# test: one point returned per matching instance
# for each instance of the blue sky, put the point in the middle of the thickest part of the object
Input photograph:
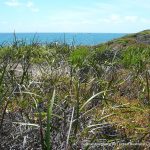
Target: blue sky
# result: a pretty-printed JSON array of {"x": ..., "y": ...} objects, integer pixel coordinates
[{"x": 115, "y": 16}]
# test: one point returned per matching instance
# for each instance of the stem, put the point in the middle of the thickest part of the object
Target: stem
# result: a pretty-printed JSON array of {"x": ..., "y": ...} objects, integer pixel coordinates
[
  {"x": 41, "y": 131},
  {"x": 147, "y": 86},
  {"x": 4, "y": 111},
  {"x": 2, "y": 77},
  {"x": 77, "y": 108}
]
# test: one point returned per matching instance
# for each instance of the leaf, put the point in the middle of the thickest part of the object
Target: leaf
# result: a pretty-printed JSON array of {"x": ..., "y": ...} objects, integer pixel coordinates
[{"x": 91, "y": 98}]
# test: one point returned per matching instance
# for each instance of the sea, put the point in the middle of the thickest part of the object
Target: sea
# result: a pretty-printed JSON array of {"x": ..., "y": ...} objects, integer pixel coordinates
[{"x": 68, "y": 38}]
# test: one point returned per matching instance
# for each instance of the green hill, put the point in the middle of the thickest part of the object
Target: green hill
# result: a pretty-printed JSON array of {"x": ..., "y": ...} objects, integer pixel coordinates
[{"x": 142, "y": 37}]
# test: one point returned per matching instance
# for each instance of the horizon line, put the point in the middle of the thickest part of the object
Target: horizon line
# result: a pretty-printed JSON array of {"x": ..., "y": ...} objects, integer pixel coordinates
[{"x": 72, "y": 32}]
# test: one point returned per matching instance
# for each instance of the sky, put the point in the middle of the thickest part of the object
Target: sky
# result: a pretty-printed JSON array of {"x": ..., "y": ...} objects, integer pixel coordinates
[{"x": 97, "y": 16}]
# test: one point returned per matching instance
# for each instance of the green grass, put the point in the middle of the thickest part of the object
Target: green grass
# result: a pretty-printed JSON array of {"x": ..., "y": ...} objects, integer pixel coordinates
[{"x": 102, "y": 92}]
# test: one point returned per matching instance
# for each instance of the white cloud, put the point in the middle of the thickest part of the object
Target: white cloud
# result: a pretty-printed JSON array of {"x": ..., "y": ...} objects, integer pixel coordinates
[
  {"x": 114, "y": 18},
  {"x": 29, "y": 4},
  {"x": 16, "y": 3},
  {"x": 13, "y": 3},
  {"x": 118, "y": 19},
  {"x": 32, "y": 6}
]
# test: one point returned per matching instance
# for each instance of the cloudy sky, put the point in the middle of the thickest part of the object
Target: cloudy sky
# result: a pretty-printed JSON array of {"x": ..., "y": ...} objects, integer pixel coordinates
[{"x": 115, "y": 16}]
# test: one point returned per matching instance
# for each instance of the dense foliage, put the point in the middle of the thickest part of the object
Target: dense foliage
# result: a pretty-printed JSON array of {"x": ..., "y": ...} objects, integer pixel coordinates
[{"x": 57, "y": 96}]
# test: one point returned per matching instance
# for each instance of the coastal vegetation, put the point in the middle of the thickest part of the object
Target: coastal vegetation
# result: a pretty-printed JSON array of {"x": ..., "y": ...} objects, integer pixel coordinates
[{"x": 66, "y": 97}]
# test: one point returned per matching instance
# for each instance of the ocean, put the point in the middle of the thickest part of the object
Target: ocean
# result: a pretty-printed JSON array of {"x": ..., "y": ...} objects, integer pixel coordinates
[{"x": 69, "y": 38}]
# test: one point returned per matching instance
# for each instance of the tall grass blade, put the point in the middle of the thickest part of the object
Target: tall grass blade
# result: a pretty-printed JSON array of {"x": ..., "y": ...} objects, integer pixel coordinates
[
  {"x": 91, "y": 98},
  {"x": 70, "y": 126},
  {"x": 49, "y": 118}
]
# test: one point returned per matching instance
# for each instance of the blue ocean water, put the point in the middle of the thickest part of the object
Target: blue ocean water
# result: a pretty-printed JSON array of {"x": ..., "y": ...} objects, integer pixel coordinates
[{"x": 69, "y": 38}]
